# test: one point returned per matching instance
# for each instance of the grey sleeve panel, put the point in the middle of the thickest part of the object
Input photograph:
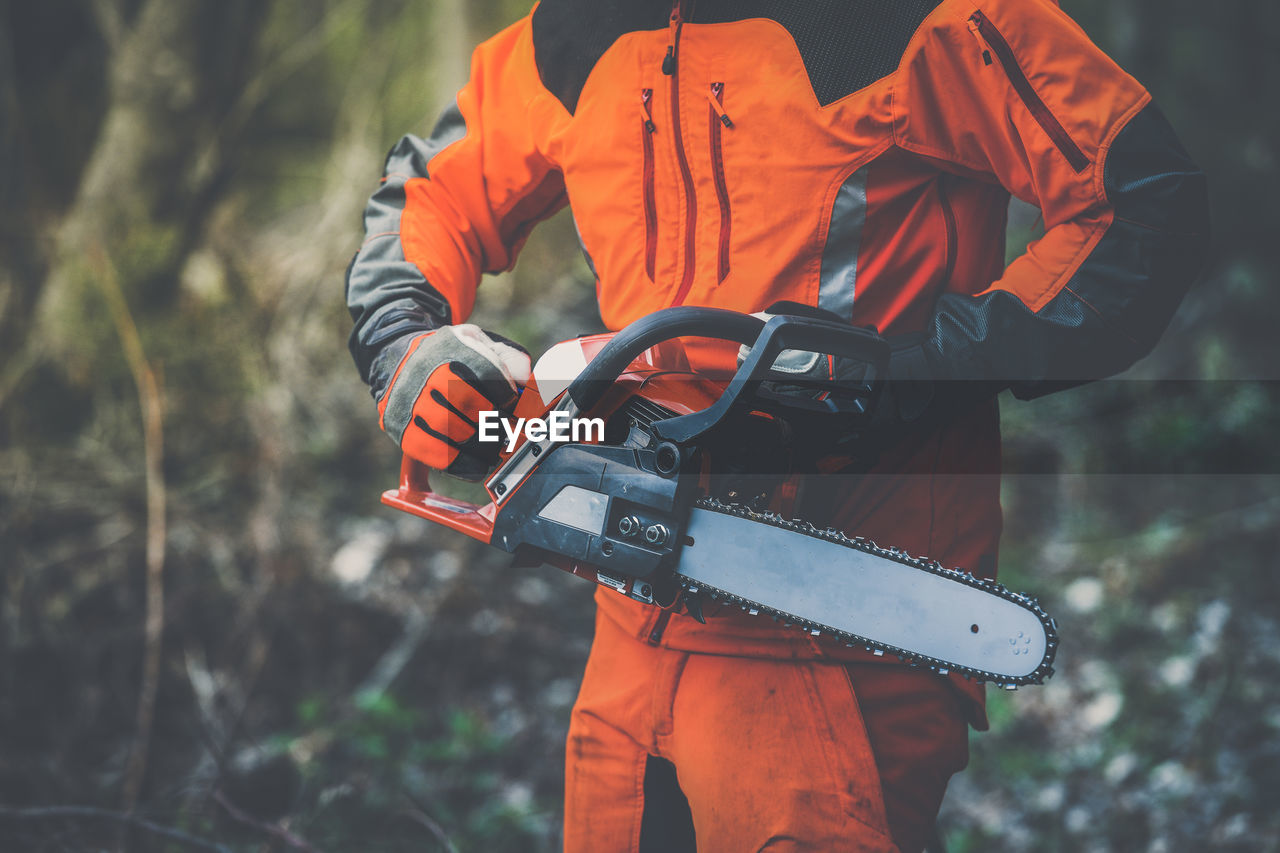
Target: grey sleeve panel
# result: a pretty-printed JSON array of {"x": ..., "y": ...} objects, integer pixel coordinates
[{"x": 388, "y": 296}]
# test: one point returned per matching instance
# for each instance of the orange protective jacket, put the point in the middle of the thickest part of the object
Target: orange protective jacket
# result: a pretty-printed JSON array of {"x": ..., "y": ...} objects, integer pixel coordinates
[{"x": 855, "y": 156}]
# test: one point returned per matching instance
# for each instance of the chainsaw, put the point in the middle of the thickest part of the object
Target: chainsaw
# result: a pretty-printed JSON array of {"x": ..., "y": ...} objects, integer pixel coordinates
[{"x": 667, "y": 507}]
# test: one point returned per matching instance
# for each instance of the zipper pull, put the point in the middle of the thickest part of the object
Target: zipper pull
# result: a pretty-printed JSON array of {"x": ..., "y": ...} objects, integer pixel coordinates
[
  {"x": 986, "y": 54},
  {"x": 677, "y": 21},
  {"x": 717, "y": 89},
  {"x": 646, "y": 96}
]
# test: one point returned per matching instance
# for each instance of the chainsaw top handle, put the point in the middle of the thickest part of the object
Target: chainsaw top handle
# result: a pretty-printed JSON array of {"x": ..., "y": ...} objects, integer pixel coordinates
[
  {"x": 651, "y": 330},
  {"x": 766, "y": 339}
]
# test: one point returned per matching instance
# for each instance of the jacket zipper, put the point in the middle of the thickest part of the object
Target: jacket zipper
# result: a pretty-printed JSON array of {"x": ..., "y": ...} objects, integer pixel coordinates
[
  {"x": 647, "y": 128},
  {"x": 949, "y": 217},
  {"x": 719, "y": 120},
  {"x": 670, "y": 67},
  {"x": 1039, "y": 111}
]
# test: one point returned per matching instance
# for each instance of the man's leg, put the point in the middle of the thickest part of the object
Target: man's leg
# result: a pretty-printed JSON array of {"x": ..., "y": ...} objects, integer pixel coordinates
[
  {"x": 917, "y": 726},
  {"x": 616, "y": 790},
  {"x": 773, "y": 755}
]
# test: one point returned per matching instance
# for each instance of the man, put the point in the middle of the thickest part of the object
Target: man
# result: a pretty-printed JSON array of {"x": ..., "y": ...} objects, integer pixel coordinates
[{"x": 854, "y": 157}]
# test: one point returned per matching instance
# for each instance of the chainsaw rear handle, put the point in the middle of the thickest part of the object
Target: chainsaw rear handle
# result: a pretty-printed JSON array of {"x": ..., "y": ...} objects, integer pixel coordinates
[{"x": 766, "y": 339}]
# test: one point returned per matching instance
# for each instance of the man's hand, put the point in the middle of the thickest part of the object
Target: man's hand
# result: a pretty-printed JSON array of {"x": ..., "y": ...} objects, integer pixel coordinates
[
  {"x": 912, "y": 398},
  {"x": 444, "y": 380}
]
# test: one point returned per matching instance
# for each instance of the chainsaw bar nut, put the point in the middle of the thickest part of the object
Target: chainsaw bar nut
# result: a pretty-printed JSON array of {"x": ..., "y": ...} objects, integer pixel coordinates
[
  {"x": 629, "y": 526},
  {"x": 656, "y": 534}
]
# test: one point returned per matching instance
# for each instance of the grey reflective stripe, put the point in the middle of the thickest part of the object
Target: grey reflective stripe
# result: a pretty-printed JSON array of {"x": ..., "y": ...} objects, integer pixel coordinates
[
  {"x": 839, "y": 276},
  {"x": 591, "y": 265}
]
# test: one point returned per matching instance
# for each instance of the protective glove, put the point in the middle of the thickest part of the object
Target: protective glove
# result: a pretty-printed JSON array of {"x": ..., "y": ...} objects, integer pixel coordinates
[{"x": 444, "y": 380}]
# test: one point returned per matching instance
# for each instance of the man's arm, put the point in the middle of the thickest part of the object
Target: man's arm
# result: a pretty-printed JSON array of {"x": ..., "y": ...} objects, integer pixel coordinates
[
  {"x": 1014, "y": 90},
  {"x": 451, "y": 207}
]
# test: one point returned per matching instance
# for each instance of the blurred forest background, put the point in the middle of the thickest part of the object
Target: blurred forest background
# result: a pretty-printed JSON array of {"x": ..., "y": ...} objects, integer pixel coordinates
[{"x": 210, "y": 625}]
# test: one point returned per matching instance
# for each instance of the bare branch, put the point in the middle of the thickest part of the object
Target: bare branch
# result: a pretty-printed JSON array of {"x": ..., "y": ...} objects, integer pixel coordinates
[
  {"x": 274, "y": 830},
  {"x": 109, "y": 23},
  {"x": 272, "y": 72},
  {"x": 422, "y": 819},
  {"x": 153, "y": 448},
  {"x": 89, "y": 813},
  {"x": 397, "y": 657}
]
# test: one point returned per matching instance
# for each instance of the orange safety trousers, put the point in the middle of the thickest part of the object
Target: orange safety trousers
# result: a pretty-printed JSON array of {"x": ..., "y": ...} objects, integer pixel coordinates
[{"x": 777, "y": 755}]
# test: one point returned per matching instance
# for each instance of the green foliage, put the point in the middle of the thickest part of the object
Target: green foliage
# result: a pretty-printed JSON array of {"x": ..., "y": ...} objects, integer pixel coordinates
[{"x": 446, "y": 763}]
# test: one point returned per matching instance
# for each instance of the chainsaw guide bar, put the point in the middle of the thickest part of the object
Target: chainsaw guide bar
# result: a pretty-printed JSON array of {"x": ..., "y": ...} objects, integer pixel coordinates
[{"x": 1036, "y": 674}]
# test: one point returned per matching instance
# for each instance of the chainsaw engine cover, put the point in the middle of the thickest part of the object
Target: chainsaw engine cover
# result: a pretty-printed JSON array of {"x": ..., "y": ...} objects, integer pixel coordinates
[{"x": 609, "y": 506}]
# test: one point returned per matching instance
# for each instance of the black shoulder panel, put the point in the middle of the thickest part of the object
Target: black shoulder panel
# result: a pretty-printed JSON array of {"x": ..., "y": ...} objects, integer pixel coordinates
[
  {"x": 570, "y": 36},
  {"x": 846, "y": 45}
]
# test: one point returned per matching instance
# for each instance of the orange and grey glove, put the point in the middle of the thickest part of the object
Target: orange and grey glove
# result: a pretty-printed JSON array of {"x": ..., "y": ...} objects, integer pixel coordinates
[{"x": 444, "y": 380}]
